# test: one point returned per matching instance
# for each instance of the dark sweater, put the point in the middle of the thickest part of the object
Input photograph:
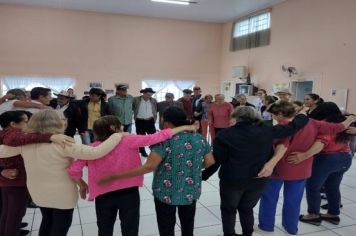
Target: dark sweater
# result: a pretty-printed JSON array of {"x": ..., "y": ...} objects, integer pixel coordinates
[{"x": 243, "y": 149}]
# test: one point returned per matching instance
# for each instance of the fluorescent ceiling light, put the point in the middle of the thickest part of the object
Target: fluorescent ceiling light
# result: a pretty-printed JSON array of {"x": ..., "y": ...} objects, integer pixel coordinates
[{"x": 172, "y": 1}]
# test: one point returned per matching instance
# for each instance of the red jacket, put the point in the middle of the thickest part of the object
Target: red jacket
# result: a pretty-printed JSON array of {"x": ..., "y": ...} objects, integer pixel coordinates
[
  {"x": 13, "y": 137},
  {"x": 301, "y": 142}
]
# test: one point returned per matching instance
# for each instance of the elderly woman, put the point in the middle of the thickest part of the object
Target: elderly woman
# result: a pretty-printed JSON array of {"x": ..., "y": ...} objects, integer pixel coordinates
[
  {"x": 46, "y": 166},
  {"x": 242, "y": 150},
  {"x": 219, "y": 114}
]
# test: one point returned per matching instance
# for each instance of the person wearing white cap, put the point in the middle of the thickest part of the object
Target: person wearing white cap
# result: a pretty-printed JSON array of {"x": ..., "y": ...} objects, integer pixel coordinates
[
  {"x": 71, "y": 112},
  {"x": 121, "y": 106},
  {"x": 284, "y": 95}
]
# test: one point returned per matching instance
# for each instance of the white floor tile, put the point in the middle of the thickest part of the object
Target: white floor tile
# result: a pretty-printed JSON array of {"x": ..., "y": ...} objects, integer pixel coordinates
[{"x": 208, "y": 216}]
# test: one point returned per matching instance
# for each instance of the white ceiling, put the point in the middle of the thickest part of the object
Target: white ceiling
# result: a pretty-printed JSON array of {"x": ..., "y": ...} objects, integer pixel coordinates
[{"x": 205, "y": 10}]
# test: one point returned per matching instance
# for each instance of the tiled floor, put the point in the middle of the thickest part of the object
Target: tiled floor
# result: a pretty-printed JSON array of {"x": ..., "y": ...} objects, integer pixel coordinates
[{"x": 208, "y": 219}]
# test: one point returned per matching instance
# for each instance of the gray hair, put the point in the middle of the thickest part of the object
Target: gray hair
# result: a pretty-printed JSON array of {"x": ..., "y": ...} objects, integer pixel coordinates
[
  {"x": 18, "y": 93},
  {"x": 246, "y": 113}
]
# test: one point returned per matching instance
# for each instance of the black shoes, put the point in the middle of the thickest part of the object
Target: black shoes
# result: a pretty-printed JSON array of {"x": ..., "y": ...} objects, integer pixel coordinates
[
  {"x": 24, "y": 232},
  {"x": 23, "y": 225},
  {"x": 335, "y": 220},
  {"x": 314, "y": 221}
]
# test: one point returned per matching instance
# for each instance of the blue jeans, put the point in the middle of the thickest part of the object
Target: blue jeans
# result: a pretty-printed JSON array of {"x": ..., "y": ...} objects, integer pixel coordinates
[
  {"x": 87, "y": 137},
  {"x": 293, "y": 193},
  {"x": 328, "y": 170},
  {"x": 128, "y": 128}
]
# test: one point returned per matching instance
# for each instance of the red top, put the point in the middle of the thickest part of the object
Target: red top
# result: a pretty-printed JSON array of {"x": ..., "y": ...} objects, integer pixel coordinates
[
  {"x": 219, "y": 115},
  {"x": 13, "y": 137},
  {"x": 301, "y": 142},
  {"x": 331, "y": 146},
  {"x": 188, "y": 107}
]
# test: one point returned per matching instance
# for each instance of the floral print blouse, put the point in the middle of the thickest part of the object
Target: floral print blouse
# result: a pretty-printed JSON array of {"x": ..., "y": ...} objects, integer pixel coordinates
[{"x": 177, "y": 179}]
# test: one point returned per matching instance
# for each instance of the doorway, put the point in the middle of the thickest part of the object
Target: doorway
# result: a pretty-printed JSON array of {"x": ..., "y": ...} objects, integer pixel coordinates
[{"x": 300, "y": 89}]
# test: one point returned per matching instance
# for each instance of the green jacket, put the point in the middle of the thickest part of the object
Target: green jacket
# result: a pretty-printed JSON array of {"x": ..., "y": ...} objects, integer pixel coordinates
[{"x": 122, "y": 108}]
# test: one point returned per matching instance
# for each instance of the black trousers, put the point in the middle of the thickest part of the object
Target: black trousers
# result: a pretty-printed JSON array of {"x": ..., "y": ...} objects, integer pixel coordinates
[
  {"x": 127, "y": 202},
  {"x": 166, "y": 218},
  {"x": 55, "y": 222},
  {"x": 144, "y": 127},
  {"x": 243, "y": 199}
]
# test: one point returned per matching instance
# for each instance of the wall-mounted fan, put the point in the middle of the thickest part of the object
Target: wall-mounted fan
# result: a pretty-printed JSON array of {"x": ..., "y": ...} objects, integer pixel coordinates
[{"x": 292, "y": 71}]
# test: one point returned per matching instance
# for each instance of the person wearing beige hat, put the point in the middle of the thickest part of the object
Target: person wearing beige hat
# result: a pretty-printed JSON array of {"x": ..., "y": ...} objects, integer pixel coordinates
[
  {"x": 284, "y": 95},
  {"x": 71, "y": 112}
]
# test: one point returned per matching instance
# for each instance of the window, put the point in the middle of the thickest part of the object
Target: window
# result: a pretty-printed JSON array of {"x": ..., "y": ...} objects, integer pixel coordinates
[
  {"x": 161, "y": 87},
  {"x": 251, "y": 32},
  {"x": 252, "y": 25},
  {"x": 56, "y": 84}
]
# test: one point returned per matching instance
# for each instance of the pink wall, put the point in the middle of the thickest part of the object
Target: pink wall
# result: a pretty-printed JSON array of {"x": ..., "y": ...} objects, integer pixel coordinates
[
  {"x": 109, "y": 48},
  {"x": 318, "y": 37}
]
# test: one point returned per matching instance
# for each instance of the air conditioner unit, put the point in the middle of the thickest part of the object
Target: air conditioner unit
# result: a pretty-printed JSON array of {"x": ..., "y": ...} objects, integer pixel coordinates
[{"x": 239, "y": 72}]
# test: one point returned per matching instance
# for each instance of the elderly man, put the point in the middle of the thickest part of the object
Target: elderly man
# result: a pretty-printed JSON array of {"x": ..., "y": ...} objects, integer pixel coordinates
[
  {"x": 71, "y": 111},
  {"x": 121, "y": 106},
  {"x": 197, "y": 100},
  {"x": 162, "y": 106},
  {"x": 242, "y": 101},
  {"x": 92, "y": 109},
  {"x": 284, "y": 95},
  {"x": 145, "y": 114},
  {"x": 186, "y": 100}
]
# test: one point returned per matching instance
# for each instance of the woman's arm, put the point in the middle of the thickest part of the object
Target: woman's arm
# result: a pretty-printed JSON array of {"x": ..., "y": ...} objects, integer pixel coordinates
[
  {"x": 333, "y": 128},
  {"x": 26, "y": 104},
  {"x": 153, "y": 160},
  {"x": 220, "y": 152},
  {"x": 267, "y": 169},
  {"x": 297, "y": 157},
  {"x": 137, "y": 141},
  {"x": 7, "y": 151},
  {"x": 208, "y": 160},
  {"x": 283, "y": 131},
  {"x": 75, "y": 170},
  {"x": 19, "y": 138},
  {"x": 84, "y": 152}
]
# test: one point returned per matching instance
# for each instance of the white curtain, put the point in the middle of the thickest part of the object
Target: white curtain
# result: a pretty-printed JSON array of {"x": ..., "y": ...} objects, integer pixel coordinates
[
  {"x": 184, "y": 84},
  {"x": 55, "y": 84},
  {"x": 157, "y": 85}
]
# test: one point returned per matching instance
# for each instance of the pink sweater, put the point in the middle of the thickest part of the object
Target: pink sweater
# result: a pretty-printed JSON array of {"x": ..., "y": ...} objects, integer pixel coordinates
[{"x": 124, "y": 157}]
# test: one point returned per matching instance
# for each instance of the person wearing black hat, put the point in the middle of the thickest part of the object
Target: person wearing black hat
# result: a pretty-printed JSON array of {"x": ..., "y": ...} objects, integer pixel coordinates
[
  {"x": 187, "y": 103},
  {"x": 145, "y": 114},
  {"x": 92, "y": 109},
  {"x": 64, "y": 103},
  {"x": 121, "y": 106}
]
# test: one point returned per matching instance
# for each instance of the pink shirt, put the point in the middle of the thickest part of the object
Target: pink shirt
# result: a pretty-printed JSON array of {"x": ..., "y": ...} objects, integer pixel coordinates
[
  {"x": 124, "y": 157},
  {"x": 219, "y": 115},
  {"x": 301, "y": 142}
]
